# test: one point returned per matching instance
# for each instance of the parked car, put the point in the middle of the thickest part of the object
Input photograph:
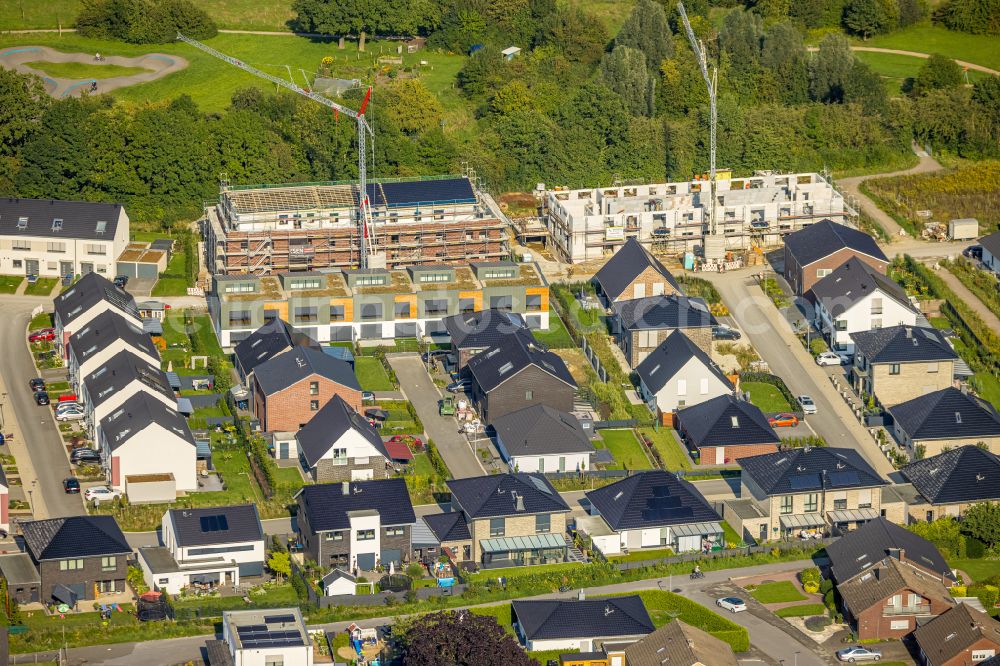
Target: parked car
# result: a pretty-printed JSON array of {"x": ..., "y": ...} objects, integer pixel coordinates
[
  {"x": 37, "y": 384},
  {"x": 70, "y": 415},
  {"x": 784, "y": 420},
  {"x": 807, "y": 404},
  {"x": 460, "y": 386},
  {"x": 71, "y": 485},
  {"x": 100, "y": 494},
  {"x": 121, "y": 281},
  {"x": 858, "y": 653},
  {"x": 973, "y": 252},
  {"x": 434, "y": 353},
  {"x": 72, "y": 404},
  {"x": 367, "y": 396},
  {"x": 44, "y": 335},
  {"x": 723, "y": 332},
  {"x": 41, "y": 398},
  {"x": 733, "y": 604},
  {"x": 829, "y": 358},
  {"x": 84, "y": 455}
]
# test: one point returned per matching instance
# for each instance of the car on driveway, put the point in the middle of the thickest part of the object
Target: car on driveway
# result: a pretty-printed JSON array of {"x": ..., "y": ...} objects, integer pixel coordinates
[
  {"x": 724, "y": 332},
  {"x": 63, "y": 406},
  {"x": 367, "y": 396},
  {"x": 71, "y": 485},
  {"x": 461, "y": 386},
  {"x": 70, "y": 415},
  {"x": 858, "y": 653},
  {"x": 84, "y": 455},
  {"x": 41, "y": 398},
  {"x": 37, "y": 384},
  {"x": 784, "y": 420},
  {"x": 829, "y": 358},
  {"x": 732, "y": 604},
  {"x": 44, "y": 335},
  {"x": 973, "y": 252},
  {"x": 100, "y": 494},
  {"x": 807, "y": 404}
]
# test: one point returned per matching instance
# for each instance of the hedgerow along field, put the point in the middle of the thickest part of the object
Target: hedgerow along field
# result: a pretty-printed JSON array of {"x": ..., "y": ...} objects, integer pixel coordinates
[{"x": 268, "y": 15}]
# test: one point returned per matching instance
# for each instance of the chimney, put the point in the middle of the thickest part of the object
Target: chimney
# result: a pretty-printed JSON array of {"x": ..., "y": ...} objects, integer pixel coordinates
[
  {"x": 909, "y": 332},
  {"x": 345, "y": 487},
  {"x": 581, "y": 595}
]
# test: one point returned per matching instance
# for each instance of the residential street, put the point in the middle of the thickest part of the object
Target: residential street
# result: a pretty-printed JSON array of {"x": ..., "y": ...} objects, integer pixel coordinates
[
  {"x": 418, "y": 388},
  {"x": 780, "y": 646},
  {"x": 774, "y": 340},
  {"x": 35, "y": 431}
]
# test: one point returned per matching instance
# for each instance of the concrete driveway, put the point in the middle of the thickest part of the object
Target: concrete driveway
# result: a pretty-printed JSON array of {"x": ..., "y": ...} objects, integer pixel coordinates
[
  {"x": 416, "y": 385},
  {"x": 36, "y": 427}
]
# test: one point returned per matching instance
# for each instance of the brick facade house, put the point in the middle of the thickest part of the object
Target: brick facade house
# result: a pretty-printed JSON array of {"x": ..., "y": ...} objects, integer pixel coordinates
[
  {"x": 643, "y": 324},
  {"x": 725, "y": 429},
  {"x": 339, "y": 444},
  {"x": 816, "y": 251},
  {"x": 633, "y": 272},
  {"x": 963, "y": 636}
]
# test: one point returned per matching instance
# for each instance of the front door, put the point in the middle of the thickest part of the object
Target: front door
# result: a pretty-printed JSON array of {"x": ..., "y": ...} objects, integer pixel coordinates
[
  {"x": 283, "y": 450},
  {"x": 562, "y": 463},
  {"x": 86, "y": 268},
  {"x": 720, "y": 455},
  {"x": 366, "y": 561},
  {"x": 65, "y": 268},
  {"x": 31, "y": 266}
]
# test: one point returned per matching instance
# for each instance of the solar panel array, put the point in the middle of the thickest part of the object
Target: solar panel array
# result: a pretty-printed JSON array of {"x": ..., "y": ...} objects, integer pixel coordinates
[
  {"x": 841, "y": 479},
  {"x": 259, "y": 636},
  {"x": 804, "y": 481},
  {"x": 278, "y": 619},
  {"x": 664, "y": 506},
  {"x": 214, "y": 523}
]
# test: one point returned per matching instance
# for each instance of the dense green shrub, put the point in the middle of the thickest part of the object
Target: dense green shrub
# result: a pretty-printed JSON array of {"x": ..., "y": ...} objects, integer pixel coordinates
[
  {"x": 979, "y": 17},
  {"x": 144, "y": 21}
]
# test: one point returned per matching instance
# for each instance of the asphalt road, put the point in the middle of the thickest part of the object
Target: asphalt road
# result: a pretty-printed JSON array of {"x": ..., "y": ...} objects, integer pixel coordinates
[
  {"x": 36, "y": 424},
  {"x": 418, "y": 388}
]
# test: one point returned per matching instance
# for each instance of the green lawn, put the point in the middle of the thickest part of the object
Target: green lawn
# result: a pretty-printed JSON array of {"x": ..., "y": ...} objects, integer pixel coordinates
[
  {"x": 781, "y": 591},
  {"x": 41, "y": 287},
  {"x": 625, "y": 448},
  {"x": 371, "y": 375},
  {"x": 173, "y": 281},
  {"x": 557, "y": 337},
  {"x": 925, "y": 38},
  {"x": 84, "y": 70},
  {"x": 669, "y": 448},
  {"x": 766, "y": 396},
  {"x": 895, "y": 68},
  {"x": 233, "y": 14},
  {"x": 643, "y": 555},
  {"x": 976, "y": 569},
  {"x": 986, "y": 385},
  {"x": 41, "y": 320},
  {"x": 665, "y": 606},
  {"x": 803, "y": 610},
  {"x": 729, "y": 535},
  {"x": 10, "y": 283},
  {"x": 514, "y": 572}
]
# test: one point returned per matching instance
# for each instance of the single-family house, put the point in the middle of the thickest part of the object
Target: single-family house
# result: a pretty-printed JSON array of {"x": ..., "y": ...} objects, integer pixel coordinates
[
  {"x": 677, "y": 643},
  {"x": 207, "y": 546},
  {"x": 900, "y": 363},
  {"x": 88, "y": 297},
  {"x": 585, "y": 624},
  {"x": 78, "y": 557},
  {"x": 817, "y": 250},
  {"x": 857, "y": 297},
  {"x": 291, "y": 388},
  {"x": 811, "y": 490},
  {"x": 951, "y": 481},
  {"x": 338, "y": 444},
  {"x": 678, "y": 374},
  {"x": 963, "y": 636},
  {"x": 105, "y": 336},
  {"x": 512, "y": 519},
  {"x": 262, "y": 637},
  {"x": 356, "y": 525},
  {"x": 948, "y": 418},
  {"x": 517, "y": 373},
  {"x": 144, "y": 436},
  {"x": 108, "y": 387},
  {"x": 725, "y": 429},
  {"x": 858, "y": 551},
  {"x": 652, "y": 509},
  {"x": 991, "y": 251},
  {"x": 473, "y": 332},
  {"x": 633, "y": 272},
  {"x": 273, "y": 338},
  {"x": 640, "y": 325},
  {"x": 541, "y": 439}
]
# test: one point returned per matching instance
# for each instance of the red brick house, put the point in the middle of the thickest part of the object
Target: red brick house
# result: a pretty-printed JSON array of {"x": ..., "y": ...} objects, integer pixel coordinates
[
  {"x": 961, "y": 637},
  {"x": 725, "y": 429},
  {"x": 815, "y": 251},
  {"x": 291, "y": 388},
  {"x": 887, "y": 599}
]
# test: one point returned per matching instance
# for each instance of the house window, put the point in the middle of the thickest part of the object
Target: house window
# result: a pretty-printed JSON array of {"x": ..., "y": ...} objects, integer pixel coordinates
[
  {"x": 877, "y": 323},
  {"x": 504, "y": 303},
  {"x": 305, "y": 284},
  {"x": 337, "y": 313},
  {"x": 340, "y": 456},
  {"x": 371, "y": 311},
  {"x": 239, "y": 318},
  {"x": 840, "y": 504},
  {"x": 932, "y": 367},
  {"x": 97, "y": 248},
  {"x": 401, "y": 310},
  {"x": 394, "y": 531},
  {"x": 894, "y": 368},
  {"x": 533, "y": 302},
  {"x": 333, "y": 536},
  {"x": 313, "y": 388},
  {"x": 823, "y": 272},
  {"x": 274, "y": 660},
  {"x": 314, "y": 405},
  {"x": 466, "y": 305},
  {"x": 543, "y": 523},
  {"x": 241, "y": 288},
  {"x": 841, "y": 324},
  {"x": 57, "y": 247},
  {"x": 106, "y": 587},
  {"x": 897, "y": 625},
  {"x": 786, "y": 504},
  {"x": 109, "y": 563},
  {"x": 529, "y": 394},
  {"x": 21, "y": 245},
  {"x": 366, "y": 535},
  {"x": 307, "y": 314},
  {"x": 865, "y": 498},
  {"x": 876, "y": 306},
  {"x": 682, "y": 387},
  {"x": 436, "y": 307},
  {"x": 982, "y": 655},
  {"x": 812, "y": 502},
  {"x": 370, "y": 280},
  {"x": 70, "y": 565},
  {"x": 496, "y": 527}
]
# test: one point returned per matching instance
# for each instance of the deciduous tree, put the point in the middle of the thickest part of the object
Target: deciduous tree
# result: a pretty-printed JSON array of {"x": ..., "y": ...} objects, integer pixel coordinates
[
  {"x": 624, "y": 71},
  {"x": 871, "y": 17},
  {"x": 646, "y": 30},
  {"x": 938, "y": 71},
  {"x": 460, "y": 639},
  {"x": 982, "y": 521}
]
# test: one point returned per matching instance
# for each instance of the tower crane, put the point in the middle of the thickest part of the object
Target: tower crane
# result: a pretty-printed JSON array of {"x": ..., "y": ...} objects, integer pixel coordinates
[
  {"x": 369, "y": 251},
  {"x": 710, "y": 82}
]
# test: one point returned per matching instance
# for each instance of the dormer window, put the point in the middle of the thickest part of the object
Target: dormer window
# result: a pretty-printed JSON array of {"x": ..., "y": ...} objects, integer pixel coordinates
[
  {"x": 57, "y": 224},
  {"x": 22, "y": 223}
]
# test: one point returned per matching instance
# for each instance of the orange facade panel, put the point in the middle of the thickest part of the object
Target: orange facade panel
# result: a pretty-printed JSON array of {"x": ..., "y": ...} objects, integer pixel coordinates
[
  {"x": 412, "y": 300},
  {"x": 476, "y": 296}
]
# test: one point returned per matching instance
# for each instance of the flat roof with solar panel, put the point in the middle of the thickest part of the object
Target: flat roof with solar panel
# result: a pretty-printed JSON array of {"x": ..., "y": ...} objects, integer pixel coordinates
[{"x": 263, "y": 629}]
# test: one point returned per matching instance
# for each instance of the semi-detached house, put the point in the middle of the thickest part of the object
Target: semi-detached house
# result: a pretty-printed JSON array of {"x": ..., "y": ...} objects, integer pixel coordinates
[
  {"x": 125, "y": 375},
  {"x": 815, "y": 251},
  {"x": 949, "y": 483},
  {"x": 90, "y": 296},
  {"x": 900, "y": 363},
  {"x": 99, "y": 341},
  {"x": 945, "y": 419}
]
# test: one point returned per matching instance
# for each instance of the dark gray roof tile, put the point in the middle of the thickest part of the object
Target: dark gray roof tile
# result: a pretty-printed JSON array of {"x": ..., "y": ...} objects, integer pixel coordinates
[
  {"x": 810, "y": 469},
  {"x": 497, "y": 495},
  {"x": 860, "y": 549},
  {"x": 86, "y": 292},
  {"x": 946, "y": 414},
  {"x": 591, "y": 618},
  {"x": 449, "y": 526},
  {"x": 285, "y": 370},
  {"x": 514, "y": 353},
  {"x": 665, "y": 361},
  {"x": 657, "y": 312},
  {"x": 959, "y": 476},
  {"x": 106, "y": 329},
  {"x": 903, "y": 344},
  {"x": 953, "y": 632},
  {"x": 268, "y": 341},
  {"x": 625, "y": 265},
  {"x": 74, "y": 536},
  {"x": 726, "y": 421},
  {"x": 826, "y": 237},
  {"x": 482, "y": 329},
  {"x": 329, "y": 424},
  {"x": 540, "y": 430},
  {"x": 327, "y": 504},
  {"x": 138, "y": 413},
  {"x": 852, "y": 281},
  {"x": 650, "y": 499},
  {"x": 77, "y": 219}
]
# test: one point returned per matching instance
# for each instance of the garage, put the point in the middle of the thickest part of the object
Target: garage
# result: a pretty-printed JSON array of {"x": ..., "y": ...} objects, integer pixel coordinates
[
  {"x": 406, "y": 330},
  {"x": 371, "y": 331},
  {"x": 138, "y": 261}
]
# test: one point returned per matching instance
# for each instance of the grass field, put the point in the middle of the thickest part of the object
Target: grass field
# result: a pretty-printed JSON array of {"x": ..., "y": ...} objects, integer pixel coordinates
[
  {"x": 173, "y": 281},
  {"x": 976, "y": 569},
  {"x": 670, "y": 450},
  {"x": 767, "y": 397},
  {"x": 557, "y": 337},
  {"x": 41, "y": 320},
  {"x": 925, "y": 38},
  {"x": 10, "y": 283},
  {"x": 514, "y": 572},
  {"x": 803, "y": 610},
  {"x": 84, "y": 70},
  {"x": 625, "y": 448},
  {"x": 41, "y": 287},
  {"x": 666, "y": 606},
  {"x": 781, "y": 591},
  {"x": 895, "y": 69},
  {"x": 371, "y": 375},
  {"x": 232, "y": 14}
]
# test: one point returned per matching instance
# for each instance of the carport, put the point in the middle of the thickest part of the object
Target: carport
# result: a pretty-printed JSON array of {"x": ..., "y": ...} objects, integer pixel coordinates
[{"x": 801, "y": 521}]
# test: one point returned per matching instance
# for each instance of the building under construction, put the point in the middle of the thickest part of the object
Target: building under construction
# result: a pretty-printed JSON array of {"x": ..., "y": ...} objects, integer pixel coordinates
[
  {"x": 266, "y": 229},
  {"x": 674, "y": 218}
]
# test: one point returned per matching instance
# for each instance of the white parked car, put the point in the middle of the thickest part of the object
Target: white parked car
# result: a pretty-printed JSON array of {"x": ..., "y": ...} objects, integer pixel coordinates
[
  {"x": 733, "y": 604},
  {"x": 828, "y": 358},
  {"x": 807, "y": 404},
  {"x": 101, "y": 494},
  {"x": 70, "y": 415}
]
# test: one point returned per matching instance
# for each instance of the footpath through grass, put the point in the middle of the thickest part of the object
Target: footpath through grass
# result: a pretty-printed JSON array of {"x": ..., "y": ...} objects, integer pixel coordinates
[
  {"x": 926, "y": 38},
  {"x": 232, "y": 14}
]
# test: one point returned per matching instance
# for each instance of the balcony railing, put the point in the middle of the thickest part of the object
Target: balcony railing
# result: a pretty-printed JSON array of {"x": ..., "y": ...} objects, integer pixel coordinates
[{"x": 919, "y": 609}]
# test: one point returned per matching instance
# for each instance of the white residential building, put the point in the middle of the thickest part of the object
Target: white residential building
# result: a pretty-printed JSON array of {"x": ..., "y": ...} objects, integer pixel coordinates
[
  {"x": 539, "y": 439},
  {"x": 61, "y": 238},
  {"x": 91, "y": 296},
  {"x": 106, "y": 336},
  {"x": 679, "y": 374},
  {"x": 106, "y": 389},
  {"x": 266, "y": 637},
  {"x": 338, "y": 444},
  {"x": 855, "y": 297}
]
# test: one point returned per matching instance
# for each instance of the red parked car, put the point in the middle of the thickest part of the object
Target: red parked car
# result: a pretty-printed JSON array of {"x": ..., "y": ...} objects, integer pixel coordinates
[
  {"x": 783, "y": 420},
  {"x": 44, "y": 335}
]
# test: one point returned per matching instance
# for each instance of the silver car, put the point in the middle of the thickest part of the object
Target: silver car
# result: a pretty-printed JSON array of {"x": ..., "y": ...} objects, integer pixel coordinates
[
  {"x": 858, "y": 653},
  {"x": 807, "y": 404}
]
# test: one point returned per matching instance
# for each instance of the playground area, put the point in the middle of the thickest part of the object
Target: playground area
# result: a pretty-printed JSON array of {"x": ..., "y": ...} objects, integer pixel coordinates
[
  {"x": 365, "y": 647},
  {"x": 69, "y": 74}
]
